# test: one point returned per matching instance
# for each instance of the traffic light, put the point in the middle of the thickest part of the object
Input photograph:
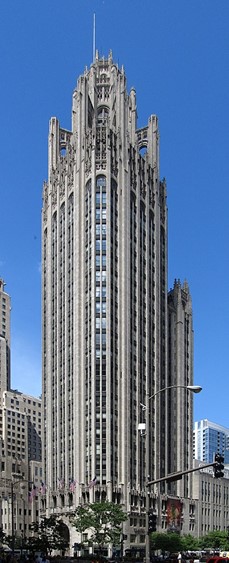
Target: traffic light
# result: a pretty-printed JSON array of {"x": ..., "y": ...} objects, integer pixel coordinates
[
  {"x": 152, "y": 521},
  {"x": 219, "y": 467}
]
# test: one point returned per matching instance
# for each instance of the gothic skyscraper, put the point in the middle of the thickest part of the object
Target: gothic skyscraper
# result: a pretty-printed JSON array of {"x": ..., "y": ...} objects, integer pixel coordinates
[{"x": 104, "y": 297}]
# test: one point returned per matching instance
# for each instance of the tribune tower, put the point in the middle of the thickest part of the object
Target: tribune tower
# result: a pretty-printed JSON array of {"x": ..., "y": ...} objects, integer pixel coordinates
[{"x": 104, "y": 263}]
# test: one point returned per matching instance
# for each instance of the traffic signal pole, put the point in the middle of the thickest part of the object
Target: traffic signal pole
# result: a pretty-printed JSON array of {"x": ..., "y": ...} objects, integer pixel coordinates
[
  {"x": 219, "y": 467},
  {"x": 176, "y": 476},
  {"x": 150, "y": 521}
]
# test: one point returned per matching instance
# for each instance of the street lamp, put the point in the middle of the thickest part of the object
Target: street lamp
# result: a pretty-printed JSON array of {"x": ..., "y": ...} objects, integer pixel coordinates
[
  {"x": 192, "y": 389},
  {"x": 12, "y": 485}
]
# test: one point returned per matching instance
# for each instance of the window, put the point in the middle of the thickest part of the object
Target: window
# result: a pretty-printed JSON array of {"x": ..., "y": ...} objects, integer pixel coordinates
[{"x": 102, "y": 116}]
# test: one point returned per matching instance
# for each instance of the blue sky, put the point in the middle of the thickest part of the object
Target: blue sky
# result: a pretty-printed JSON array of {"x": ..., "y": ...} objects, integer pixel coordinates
[{"x": 176, "y": 55}]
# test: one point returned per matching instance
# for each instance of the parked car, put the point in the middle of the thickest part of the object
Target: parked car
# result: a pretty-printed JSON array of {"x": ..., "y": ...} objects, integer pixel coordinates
[{"x": 217, "y": 559}]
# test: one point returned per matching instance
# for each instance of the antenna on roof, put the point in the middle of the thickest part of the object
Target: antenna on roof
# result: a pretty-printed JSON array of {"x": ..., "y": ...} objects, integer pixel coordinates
[{"x": 93, "y": 38}]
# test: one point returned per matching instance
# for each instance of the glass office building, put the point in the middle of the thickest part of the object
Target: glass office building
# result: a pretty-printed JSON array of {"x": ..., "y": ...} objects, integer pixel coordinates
[{"x": 210, "y": 438}]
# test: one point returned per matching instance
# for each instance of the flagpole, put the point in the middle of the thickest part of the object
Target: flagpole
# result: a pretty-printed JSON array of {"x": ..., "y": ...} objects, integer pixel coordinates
[{"x": 93, "y": 54}]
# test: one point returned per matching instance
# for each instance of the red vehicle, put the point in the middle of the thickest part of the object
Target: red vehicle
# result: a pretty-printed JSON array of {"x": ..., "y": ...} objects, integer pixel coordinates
[{"x": 217, "y": 559}]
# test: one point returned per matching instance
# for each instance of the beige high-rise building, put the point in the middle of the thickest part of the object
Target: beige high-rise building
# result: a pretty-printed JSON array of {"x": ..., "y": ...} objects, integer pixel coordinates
[
  {"x": 104, "y": 295},
  {"x": 21, "y": 468},
  {"x": 21, "y": 426},
  {"x": 20, "y": 442}
]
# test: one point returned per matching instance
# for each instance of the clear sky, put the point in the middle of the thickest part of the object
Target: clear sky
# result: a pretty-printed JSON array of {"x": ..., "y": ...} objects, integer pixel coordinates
[{"x": 176, "y": 55}]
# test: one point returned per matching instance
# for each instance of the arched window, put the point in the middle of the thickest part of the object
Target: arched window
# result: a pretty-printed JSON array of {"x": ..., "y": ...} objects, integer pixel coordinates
[
  {"x": 102, "y": 116},
  {"x": 101, "y": 182}
]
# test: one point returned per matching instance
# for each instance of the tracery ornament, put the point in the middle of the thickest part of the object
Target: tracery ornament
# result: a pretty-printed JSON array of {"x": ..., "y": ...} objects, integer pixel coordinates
[
  {"x": 62, "y": 189},
  {"x": 101, "y": 146},
  {"x": 88, "y": 142},
  {"x": 45, "y": 200},
  {"x": 54, "y": 193}
]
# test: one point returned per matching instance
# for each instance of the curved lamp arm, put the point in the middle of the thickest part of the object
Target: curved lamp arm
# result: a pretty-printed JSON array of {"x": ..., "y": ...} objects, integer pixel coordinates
[{"x": 192, "y": 388}]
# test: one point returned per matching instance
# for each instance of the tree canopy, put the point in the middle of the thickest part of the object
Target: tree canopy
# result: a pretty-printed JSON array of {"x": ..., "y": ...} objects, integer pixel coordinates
[
  {"x": 190, "y": 543},
  {"x": 50, "y": 534},
  {"x": 216, "y": 540},
  {"x": 173, "y": 542},
  {"x": 170, "y": 542},
  {"x": 102, "y": 520}
]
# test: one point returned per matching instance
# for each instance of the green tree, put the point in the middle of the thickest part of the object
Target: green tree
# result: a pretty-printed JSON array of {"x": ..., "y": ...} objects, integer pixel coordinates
[
  {"x": 102, "y": 520},
  {"x": 50, "y": 533},
  {"x": 190, "y": 543},
  {"x": 216, "y": 540},
  {"x": 170, "y": 542}
]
